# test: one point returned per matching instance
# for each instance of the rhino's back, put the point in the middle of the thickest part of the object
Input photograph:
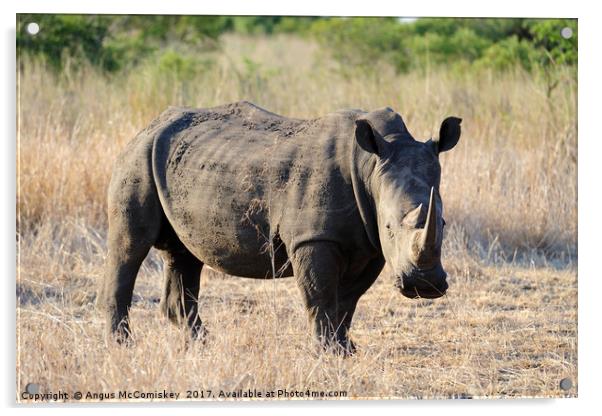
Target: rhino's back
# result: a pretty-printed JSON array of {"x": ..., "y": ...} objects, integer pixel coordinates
[{"x": 239, "y": 183}]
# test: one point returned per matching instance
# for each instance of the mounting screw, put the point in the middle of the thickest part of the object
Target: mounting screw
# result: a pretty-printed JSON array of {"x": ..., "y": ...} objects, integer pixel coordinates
[
  {"x": 566, "y": 32},
  {"x": 33, "y": 28},
  {"x": 566, "y": 384},
  {"x": 32, "y": 388}
]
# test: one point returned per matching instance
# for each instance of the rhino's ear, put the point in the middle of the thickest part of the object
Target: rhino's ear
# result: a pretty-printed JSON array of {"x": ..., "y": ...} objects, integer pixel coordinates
[
  {"x": 449, "y": 134},
  {"x": 368, "y": 138}
]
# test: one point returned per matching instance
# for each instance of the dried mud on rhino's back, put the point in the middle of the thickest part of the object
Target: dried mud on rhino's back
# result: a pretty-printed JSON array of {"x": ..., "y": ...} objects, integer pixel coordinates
[{"x": 242, "y": 114}]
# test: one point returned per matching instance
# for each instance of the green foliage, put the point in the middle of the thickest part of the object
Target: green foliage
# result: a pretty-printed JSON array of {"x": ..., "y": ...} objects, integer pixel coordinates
[
  {"x": 364, "y": 42},
  {"x": 115, "y": 42},
  {"x": 509, "y": 53},
  {"x": 300, "y": 25},
  {"x": 437, "y": 48},
  {"x": 123, "y": 41},
  {"x": 80, "y": 37},
  {"x": 177, "y": 28},
  {"x": 547, "y": 35},
  {"x": 179, "y": 66},
  {"x": 255, "y": 25},
  {"x": 487, "y": 28},
  {"x": 500, "y": 44}
]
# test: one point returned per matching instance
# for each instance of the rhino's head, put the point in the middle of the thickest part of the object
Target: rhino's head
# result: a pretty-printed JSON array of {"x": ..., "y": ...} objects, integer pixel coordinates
[{"x": 404, "y": 185}]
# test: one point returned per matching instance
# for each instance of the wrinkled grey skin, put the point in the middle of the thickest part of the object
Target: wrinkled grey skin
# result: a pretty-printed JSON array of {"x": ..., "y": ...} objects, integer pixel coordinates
[{"x": 254, "y": 194}]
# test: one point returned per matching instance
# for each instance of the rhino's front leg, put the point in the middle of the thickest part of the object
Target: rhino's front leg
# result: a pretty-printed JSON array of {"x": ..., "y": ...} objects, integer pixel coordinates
[
  {"x": 353, "y": 286},
  {"x": 318, "y": 267}
]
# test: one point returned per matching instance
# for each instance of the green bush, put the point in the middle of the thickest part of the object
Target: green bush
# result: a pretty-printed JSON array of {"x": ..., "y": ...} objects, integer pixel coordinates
[
  {"x": 509, "y": 53},
  {"x": 364, "y": 42},
  {"x": 499, "y": 44},
  {"x": 162, "y": 29},
  {"x": 115, "y": 42},
  {"x": 493, "y": 29},
  {"x": 444, "y": 49},
  {"x": 547, "y": 36},
  {"x": 272, "y": 24},
  {"x": 179, "y": 66},
  {"x": 120, "y": 42},
  {"x": 80, "y": 37}
]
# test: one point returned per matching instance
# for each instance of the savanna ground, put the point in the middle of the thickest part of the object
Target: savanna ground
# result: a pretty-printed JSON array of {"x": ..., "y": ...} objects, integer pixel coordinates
[{"x": 506, "y": 328}]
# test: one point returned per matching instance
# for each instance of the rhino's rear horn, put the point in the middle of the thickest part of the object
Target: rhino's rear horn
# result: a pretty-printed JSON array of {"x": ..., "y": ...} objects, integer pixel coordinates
[{"x": 429, "y": 234}]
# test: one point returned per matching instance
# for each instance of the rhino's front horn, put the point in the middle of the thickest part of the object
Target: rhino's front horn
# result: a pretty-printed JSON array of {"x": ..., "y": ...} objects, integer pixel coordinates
[{"x": 429, "y": 236}]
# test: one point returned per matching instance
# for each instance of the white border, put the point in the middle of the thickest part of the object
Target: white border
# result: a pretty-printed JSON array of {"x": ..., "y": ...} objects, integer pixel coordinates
[
  {"x": 553, "y": 8},
  {"x": 589, "y": 187}
]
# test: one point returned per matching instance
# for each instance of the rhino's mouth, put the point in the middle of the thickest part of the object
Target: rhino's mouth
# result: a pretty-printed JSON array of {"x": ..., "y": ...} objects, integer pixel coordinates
[
  {"x": 415, "y": 293},
  {"x": 427, "y": 284}
]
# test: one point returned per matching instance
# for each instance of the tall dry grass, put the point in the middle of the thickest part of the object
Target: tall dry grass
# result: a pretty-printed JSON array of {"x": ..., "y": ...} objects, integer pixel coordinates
[
  {"x": 512, "y": 178},
  {"x": 508, "y": 326},
  {"x": 502, "y": 331}
]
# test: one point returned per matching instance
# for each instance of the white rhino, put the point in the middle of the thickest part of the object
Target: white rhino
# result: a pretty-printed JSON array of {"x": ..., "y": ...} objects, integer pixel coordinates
[{"x": 258, "y": 195}]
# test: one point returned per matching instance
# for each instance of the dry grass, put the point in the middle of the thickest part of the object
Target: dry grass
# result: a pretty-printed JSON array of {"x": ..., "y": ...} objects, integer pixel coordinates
[{"x": 506, "y": 328}]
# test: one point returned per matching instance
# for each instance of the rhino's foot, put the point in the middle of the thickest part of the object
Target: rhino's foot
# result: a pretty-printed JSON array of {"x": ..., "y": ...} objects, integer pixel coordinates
[
  {"x": 121, "y": 336},
  {"x": 344, "y": 347},
  {"x": 199, "y": 333},
  {"x": 118, "y": 329},
  {"x": 348, "y": 348}
]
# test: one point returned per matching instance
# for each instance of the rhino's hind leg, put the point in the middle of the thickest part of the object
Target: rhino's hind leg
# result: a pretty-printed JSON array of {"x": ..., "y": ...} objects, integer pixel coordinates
[
  {"x": 135, "y": 217},
  {"x": 132, "y": 232},
  {"x": 181, "y": 289}
]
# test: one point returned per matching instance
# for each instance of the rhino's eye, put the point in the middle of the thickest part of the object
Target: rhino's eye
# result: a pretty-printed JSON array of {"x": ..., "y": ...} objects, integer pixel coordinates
[{"x": 389, "y": 231}]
